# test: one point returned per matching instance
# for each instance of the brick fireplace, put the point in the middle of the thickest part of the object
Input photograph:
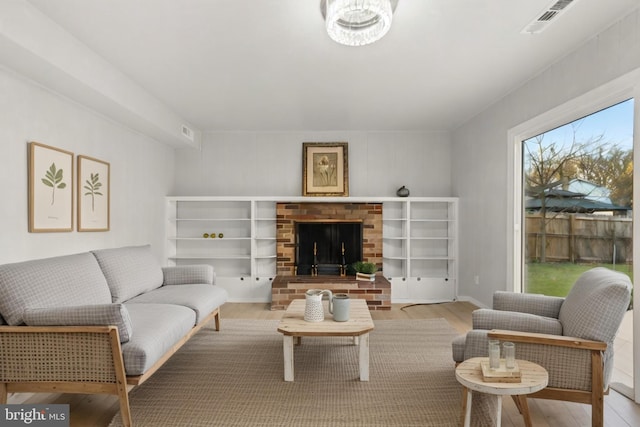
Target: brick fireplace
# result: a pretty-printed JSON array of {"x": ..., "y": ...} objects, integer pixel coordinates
[{"x": 288, "y": 286}]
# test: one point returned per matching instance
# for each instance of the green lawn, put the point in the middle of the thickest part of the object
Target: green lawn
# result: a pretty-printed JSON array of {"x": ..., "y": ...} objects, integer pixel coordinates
[{"x": 557, "y": 278}]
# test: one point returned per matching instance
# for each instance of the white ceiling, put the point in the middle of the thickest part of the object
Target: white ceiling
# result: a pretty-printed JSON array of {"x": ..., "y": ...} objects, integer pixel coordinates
[{"x": 269, "y": 65}]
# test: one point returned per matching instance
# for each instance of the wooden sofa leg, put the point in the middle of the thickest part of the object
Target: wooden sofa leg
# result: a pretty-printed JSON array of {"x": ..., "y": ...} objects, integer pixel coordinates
[
  {"x": 125, "y": 410},
  {"x": 217, "y": 320}
]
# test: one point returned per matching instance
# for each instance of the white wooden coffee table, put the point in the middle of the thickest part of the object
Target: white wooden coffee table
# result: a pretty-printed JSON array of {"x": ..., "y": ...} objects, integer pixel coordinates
[
  {"x": 358, "y": 326},
  {"x": 469, "y": 374}
]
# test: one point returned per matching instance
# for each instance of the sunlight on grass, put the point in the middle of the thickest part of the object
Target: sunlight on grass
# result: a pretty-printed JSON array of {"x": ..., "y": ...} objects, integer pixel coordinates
[{"x": 558, "y": 278}]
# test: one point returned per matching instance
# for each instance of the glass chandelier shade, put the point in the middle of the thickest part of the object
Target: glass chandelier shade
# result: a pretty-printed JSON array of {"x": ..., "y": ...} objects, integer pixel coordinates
[{"x": 358, "y": 22}]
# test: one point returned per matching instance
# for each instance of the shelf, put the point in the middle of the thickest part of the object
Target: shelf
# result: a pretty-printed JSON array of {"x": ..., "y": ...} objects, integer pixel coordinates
[
  {"x": 209, "y": 239},
  {"x": 230, "y": 256},
  {"x": 212, "y": 219}
]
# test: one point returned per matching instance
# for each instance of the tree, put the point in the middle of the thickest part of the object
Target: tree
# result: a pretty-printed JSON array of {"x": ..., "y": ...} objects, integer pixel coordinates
[
  {"x": 612, "y": 169},
  {"x": 548, "y": 163}
]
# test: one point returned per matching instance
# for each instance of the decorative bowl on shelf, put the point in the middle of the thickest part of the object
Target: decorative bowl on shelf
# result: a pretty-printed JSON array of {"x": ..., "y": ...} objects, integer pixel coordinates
[
  {"x": 220, "y": 235},
  {"x": 403, "y": 191},
  {"x": 205, "y": 235}
]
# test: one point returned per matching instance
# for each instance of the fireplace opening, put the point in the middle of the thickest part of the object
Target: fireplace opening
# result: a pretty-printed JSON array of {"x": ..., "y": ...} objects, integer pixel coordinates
[{"x": 327, "y": 248}]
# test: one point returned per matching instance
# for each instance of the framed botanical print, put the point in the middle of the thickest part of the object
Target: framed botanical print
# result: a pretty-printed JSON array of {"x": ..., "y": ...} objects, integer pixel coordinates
[
  {"x": 325, "y": 169},
  {"x": 50, "y": 189},
  {"x": 94, "y": 193}
]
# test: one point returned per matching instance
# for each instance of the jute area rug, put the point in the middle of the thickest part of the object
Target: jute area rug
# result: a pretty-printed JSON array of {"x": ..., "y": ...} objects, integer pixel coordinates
[{"x": 235, "y": 377}]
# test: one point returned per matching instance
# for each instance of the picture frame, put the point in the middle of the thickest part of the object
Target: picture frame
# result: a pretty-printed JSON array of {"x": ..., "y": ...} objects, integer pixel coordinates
[
  {"x": 325, "y": 169},
  {"x": 50, "y": 182},
  {"x": 94, "y": 194}
]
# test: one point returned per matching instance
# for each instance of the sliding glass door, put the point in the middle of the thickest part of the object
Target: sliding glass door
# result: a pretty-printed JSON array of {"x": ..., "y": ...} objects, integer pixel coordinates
[{"x": 575, "y": 210}]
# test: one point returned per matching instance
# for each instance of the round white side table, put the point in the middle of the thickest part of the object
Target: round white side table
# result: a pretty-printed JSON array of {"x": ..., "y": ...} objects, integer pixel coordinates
[{"x": 533, "y": 378}]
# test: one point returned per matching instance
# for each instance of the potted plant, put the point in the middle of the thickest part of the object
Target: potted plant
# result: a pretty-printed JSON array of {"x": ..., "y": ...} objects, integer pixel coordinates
[{"x": 365, "y": 270}]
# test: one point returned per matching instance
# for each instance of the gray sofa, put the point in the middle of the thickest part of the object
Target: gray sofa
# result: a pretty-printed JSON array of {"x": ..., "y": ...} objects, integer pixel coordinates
[{"x": 98, "y": 322}]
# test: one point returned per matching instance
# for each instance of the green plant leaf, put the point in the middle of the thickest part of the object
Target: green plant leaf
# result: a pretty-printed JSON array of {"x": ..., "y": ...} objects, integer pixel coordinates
[{"x": 47, "y": 183}]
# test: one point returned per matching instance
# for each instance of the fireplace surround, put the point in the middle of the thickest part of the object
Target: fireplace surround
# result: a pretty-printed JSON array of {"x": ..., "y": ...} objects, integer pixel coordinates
[{"x": 289, "y": 285}]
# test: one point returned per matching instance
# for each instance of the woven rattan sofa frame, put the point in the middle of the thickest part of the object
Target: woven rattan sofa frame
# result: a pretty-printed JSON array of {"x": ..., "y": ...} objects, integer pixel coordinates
[
  {"x": 595, "y": 397},
  {"x": 73, "y": 359}
]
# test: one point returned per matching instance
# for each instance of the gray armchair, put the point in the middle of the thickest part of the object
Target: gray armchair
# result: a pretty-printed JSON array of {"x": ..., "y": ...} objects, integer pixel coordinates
[{"x": 571, "y": 337}]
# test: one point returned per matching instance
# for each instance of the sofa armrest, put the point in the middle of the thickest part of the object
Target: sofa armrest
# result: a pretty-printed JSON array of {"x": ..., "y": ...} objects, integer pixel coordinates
[
  {"x": 541, "y": 305},
  {"x": 83, "y": 315},
  {"x": 485, "y": 318},
  {"x": 189, "y": 274}
]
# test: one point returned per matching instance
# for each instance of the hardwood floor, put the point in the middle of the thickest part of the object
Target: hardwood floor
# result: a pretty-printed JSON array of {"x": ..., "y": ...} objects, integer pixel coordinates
[{"x": 97, "y": 410}]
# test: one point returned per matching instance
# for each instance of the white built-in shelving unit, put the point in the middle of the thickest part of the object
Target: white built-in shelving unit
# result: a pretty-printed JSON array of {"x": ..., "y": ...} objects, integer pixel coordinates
[
  {"x": 420, "y": 242},
  {"x": 420, "y": 248}
]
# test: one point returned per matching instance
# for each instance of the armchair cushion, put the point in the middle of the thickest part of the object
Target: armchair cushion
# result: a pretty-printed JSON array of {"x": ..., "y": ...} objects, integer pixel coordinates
[
  {"x": 514, "y": 321},
  {"x": 541, "y": 305},
  {"x": 596, "y": 304},
  {"x": 83, "y": 315}
]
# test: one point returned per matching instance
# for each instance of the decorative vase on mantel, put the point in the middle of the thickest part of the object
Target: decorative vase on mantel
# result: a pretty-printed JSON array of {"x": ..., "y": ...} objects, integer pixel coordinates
[{"x": 403, "y": 191}]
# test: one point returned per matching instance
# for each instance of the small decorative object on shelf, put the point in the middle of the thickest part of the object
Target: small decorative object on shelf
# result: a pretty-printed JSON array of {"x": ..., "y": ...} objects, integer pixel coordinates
[
  {"x": 213, "y": 235},
  {"x": 220, "y": 235},
  {"x": 403, "y": 191},
  {"x": 205, "y": 235},
  {"x": 365, "y": 271}
]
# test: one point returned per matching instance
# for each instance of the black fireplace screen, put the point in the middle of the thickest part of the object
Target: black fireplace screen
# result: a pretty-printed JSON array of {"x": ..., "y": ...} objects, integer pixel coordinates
[{"x": 332, "y": 247}]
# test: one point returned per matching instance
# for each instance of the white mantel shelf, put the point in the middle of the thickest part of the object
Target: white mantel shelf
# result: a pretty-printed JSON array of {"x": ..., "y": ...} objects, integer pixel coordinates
[{"x": 312, "y": 199}]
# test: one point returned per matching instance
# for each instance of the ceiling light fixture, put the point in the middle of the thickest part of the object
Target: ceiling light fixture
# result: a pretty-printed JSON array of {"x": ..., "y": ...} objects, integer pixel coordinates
[{"x": 357, "y": 22}]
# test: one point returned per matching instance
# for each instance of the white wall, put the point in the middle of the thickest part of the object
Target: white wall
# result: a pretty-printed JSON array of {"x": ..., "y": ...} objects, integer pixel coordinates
[
  {"x": 480, "y": 152},
  {"x": 142, "y": 172},
  {"x": 270, "y": 163}
]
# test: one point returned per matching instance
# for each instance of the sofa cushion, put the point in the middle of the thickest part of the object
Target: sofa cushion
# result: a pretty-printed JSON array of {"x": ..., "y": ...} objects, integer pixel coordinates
[
  {"x": 83, "y": 315},
  {"x": 189, "y": 274},
  {"x": 51, "y": 282},
  {"x": 595, "y": 305},
  {"x": 158, "y": 327},
  {"x": 130, "y": 271},
  {"x": 201, "y": 298}
]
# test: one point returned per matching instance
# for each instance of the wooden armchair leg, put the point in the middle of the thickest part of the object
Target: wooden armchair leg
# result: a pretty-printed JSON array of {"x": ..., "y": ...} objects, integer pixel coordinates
[
  {"x": 597, "y": 390},
  {"x": 597, "y": 408},
  {"x": 3, "y": 393}
]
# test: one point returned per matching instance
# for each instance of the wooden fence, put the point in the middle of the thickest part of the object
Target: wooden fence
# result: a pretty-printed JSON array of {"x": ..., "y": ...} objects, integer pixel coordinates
[{"x": 579, "y": 238}]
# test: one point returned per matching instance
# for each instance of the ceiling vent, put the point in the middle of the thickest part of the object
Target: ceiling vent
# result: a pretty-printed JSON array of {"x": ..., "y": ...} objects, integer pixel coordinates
[
  {"x": 187, "y": 132},
  {"x": 547, "y": 16}
]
